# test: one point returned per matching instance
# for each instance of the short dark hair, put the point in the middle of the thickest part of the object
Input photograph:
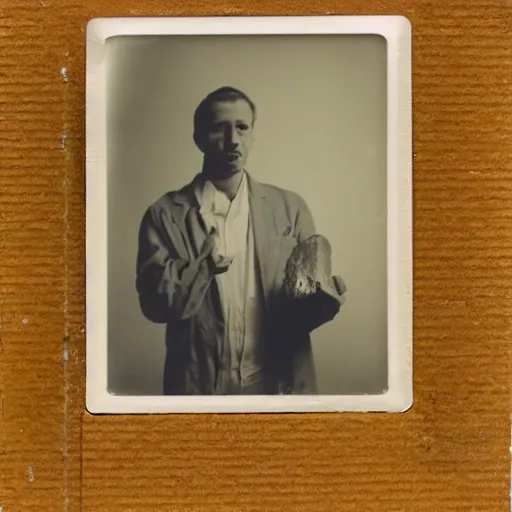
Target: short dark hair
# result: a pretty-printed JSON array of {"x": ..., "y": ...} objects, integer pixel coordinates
[{"x": 222, "y": 94}]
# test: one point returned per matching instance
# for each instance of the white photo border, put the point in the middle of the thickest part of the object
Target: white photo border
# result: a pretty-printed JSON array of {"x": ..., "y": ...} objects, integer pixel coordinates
[{"x": 399, "y": 395}]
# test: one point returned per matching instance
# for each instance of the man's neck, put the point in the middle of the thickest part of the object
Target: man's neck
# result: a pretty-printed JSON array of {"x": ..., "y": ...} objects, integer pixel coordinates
[{"x": 228, "y": 186}]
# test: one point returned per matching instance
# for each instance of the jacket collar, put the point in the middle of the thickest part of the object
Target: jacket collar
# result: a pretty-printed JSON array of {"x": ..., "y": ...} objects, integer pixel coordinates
[{"x": 186, "y": 196}]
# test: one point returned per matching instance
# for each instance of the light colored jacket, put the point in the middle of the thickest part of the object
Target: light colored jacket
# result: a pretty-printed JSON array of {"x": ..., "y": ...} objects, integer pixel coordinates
[{"x": 176, "y": 288}]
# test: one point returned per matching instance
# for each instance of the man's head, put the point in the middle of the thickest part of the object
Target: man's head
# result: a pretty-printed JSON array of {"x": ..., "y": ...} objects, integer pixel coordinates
[{"x": 223, "y": 130}]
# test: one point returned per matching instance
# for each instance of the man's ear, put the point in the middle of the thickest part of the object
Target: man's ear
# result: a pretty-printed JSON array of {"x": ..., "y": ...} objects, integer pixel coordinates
[{"x": 199, "y": 142}]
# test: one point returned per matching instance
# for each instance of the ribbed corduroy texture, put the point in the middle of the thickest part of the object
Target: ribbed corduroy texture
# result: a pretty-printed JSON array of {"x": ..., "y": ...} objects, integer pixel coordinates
[{"x": 450, "y": 452}]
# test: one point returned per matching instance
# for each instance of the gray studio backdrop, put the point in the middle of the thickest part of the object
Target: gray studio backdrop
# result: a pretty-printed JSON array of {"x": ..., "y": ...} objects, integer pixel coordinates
[{"x": 321, "y": 131}]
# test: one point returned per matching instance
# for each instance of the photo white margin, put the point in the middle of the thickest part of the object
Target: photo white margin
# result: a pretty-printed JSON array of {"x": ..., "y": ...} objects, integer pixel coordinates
[{"x": 399, "y": 396}]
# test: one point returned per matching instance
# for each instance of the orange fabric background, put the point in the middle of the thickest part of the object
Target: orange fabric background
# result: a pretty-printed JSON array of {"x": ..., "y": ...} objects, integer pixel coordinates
[{"x": 450, "y": 452}]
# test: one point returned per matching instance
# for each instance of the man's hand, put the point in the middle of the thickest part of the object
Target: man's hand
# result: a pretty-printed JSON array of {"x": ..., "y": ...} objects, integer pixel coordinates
[
  {"x": 340, "y": 286},
  {"x": 321, "y": 307},
  {"x": 218, "y": 264}
]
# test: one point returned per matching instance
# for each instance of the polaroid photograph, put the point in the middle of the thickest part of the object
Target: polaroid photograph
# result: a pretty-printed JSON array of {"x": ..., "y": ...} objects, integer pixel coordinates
[{"x": 249, "y": 215}]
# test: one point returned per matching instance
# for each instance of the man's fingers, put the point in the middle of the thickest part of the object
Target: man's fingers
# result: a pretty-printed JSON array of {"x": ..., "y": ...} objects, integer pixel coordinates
[
  {"x": 222, "y": 265},
  {"x": 339, "y": 284},
  {"x": 223, "y": 262}
]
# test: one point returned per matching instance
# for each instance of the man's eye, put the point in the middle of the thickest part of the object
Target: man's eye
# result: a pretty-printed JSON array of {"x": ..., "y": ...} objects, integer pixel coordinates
[{"x": 242, "y": 127}]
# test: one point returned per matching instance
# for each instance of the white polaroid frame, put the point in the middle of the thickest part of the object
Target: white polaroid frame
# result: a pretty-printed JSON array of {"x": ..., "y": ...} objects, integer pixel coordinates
[{"x": 399, "y": 396}]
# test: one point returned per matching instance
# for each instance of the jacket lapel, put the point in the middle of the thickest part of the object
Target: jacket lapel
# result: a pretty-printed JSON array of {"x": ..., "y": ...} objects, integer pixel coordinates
[
  {"x": 263, "y": 226},
  {"x": 189, "y": 220}
]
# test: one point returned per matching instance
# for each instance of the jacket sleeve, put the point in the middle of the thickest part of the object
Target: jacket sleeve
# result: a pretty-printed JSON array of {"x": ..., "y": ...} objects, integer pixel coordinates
[{"x": 169, "y": 287}]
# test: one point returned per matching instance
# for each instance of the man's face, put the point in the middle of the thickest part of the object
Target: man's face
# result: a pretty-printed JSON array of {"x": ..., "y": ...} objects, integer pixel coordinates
[{"x": 228, "y": 135}]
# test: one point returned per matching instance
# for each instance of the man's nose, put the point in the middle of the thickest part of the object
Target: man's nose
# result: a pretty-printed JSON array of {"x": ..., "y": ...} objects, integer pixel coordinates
[{"x": 232, "y": 138}]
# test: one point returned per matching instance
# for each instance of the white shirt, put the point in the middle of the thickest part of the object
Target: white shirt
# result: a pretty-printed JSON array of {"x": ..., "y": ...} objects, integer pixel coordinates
[{"x": 238, "y": 287}]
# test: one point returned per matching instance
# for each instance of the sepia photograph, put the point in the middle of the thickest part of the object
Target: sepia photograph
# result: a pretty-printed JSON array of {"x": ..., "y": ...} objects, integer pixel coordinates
[{"x": 249, "y": 217}]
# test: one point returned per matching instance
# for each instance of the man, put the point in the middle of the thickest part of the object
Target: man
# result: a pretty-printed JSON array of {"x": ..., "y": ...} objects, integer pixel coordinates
[{"x": 211, "y": 263}]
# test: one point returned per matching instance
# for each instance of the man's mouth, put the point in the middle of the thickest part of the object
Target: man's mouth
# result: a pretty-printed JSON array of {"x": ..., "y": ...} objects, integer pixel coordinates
[{"x": 234, "y": 155}]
